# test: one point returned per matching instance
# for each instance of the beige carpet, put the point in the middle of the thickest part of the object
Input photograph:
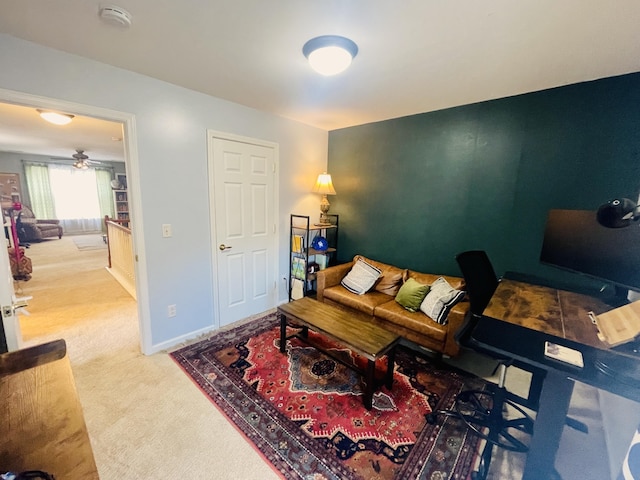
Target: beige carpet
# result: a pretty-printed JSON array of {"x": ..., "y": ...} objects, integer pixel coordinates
[{"x": 146, "y": 419}]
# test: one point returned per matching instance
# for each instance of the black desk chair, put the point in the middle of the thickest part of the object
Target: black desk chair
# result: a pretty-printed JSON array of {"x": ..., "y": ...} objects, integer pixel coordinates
[{"x": 482, "y": 410}]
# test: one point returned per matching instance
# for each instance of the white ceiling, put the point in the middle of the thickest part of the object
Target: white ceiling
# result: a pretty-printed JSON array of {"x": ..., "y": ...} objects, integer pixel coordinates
[
  {"x": 414, "y": 55},
  {"x": 23, "y": 131}
]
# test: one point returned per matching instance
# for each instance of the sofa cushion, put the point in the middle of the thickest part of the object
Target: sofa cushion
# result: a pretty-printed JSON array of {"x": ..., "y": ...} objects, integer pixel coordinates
[
  {"x": 412, "y": 294},
  {"x": 395, "y": 313},
  {"x": 440, "y": 300},
  {"x": 429, "y": 278},
  {"x": 361, "y": 277},
  {"x": 390, "y": 279},
  {"x": 364, "y": 303},
  {"x": 27, "y": 220}
]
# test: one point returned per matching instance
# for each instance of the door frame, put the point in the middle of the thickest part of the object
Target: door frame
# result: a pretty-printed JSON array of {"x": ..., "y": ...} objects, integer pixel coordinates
[
  {"x": 216, "y": 134},
  {"x": 130, "y": 143}
]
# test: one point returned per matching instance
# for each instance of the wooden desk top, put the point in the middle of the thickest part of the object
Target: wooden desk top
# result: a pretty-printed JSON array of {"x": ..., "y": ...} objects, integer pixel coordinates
[
  {"x": 547, "y": 310},
  {"x": 353, "y": 329},
  {"x": 42, "y": 423}
]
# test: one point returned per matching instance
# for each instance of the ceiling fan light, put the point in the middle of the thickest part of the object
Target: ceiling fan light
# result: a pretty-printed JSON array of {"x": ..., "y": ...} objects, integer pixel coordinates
[
  {"x": 55, "y": 117},
  {"x": 330, "y": 54}
]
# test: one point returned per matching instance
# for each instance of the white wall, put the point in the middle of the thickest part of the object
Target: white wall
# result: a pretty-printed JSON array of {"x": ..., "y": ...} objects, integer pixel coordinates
[{"x": 171, "y": 143}]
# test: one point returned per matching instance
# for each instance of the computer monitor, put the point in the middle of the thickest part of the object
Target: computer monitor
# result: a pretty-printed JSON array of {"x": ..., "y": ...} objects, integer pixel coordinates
[{"x": 575, "y": 241}]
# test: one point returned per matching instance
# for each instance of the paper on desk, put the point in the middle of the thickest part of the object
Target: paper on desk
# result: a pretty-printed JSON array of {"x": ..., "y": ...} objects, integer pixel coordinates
[{"x": 563, "y": 354}]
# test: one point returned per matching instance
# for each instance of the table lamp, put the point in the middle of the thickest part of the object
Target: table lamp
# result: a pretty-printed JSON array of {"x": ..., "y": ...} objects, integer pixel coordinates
[{"x": 324, "y": 186}]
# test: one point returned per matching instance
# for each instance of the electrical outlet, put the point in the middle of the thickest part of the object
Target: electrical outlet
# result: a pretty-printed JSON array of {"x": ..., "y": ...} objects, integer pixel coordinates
[
  {"x": 166, "y": 230},
  {"x": 171, "y": 311}
]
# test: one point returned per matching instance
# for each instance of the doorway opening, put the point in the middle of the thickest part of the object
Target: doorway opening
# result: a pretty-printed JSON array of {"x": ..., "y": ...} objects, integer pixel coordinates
[{"x": 70, "y": 287}]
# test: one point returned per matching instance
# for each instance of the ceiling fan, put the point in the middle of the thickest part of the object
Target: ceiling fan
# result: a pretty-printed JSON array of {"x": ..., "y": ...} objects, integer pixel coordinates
[{"x": 82, "y": 161}]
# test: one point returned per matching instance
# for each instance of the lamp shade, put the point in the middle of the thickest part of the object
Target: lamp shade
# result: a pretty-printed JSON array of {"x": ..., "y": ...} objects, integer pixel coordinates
[
  {"x": 330, "y": 54},
  {"x": 324, "y": 185}
]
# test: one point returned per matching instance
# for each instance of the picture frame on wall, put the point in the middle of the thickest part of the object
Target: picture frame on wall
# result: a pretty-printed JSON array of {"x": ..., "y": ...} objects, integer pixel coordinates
[{"x": 10, "y": 190}]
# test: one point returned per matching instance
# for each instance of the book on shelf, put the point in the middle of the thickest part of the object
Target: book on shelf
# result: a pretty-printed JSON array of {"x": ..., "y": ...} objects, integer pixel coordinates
[
  {"x": 297, "y": 243},
  {"x": 322, "y": 261},
  {"x": 298, "y": 268},
  {"x": 297, "y": 289}
]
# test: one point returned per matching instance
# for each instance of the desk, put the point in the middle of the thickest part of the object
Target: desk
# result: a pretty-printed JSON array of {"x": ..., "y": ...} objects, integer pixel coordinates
[
  {"x": 548, "y": 310},
  {"x": 516, "y": 324}
]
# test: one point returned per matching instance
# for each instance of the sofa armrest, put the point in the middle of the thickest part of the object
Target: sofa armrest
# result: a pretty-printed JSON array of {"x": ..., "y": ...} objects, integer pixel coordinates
[
  {"x": 55, "y": 222},
  {"x": 456, "y": 320},
  {"x": 330, "y": 277}
]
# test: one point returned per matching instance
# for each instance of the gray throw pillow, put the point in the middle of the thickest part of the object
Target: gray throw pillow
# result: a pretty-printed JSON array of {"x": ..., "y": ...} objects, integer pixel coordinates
[
  {"x": 361, "y": 277},
  {"x": 440, "y": 300}
]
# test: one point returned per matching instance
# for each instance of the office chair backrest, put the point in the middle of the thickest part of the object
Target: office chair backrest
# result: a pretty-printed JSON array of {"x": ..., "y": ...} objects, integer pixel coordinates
[{"x": 480, "y": 278}]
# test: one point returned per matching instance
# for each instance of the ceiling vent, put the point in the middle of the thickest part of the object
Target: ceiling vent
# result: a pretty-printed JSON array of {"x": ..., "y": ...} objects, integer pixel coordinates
[{"x": 115, "y": 15}]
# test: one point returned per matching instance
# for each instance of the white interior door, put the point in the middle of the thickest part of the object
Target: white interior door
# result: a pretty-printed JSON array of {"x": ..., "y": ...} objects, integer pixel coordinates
[
  {"x": 243, "y": 209},
  {"x": 10, "y": 321}
]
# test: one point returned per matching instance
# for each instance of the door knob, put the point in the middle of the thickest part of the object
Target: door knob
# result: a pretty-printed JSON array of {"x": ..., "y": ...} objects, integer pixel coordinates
[{"x": 224, "y": 247}]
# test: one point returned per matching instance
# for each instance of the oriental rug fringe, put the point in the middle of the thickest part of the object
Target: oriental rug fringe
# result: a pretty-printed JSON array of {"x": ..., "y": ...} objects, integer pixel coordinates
[{"x": 303, "y": 411}]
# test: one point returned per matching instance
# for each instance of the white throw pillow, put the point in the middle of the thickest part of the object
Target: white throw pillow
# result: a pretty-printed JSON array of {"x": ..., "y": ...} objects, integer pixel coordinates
[
  {"x": 440, "y": 300},
  {"x": 361, "y": 277}
]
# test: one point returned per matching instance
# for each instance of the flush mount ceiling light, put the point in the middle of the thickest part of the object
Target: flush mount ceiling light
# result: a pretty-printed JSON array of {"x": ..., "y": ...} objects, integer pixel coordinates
[
  {"x": 55, "y": 117},
  {"x": 115, "y": 15},
  {"x": 330, "y": 54}
]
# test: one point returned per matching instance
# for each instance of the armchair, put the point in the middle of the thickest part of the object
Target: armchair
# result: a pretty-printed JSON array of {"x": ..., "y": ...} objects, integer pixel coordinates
[{"x": 31, "y": 229}]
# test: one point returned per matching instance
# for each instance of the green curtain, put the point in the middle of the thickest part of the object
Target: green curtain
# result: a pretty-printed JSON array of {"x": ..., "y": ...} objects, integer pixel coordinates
[
  {"x": 105, "y": 195},
  {"x": 40, "y": 196}
]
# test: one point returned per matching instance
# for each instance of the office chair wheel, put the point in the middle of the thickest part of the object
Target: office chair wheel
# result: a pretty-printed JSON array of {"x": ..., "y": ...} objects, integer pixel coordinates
[{"x": 475, "y": 409}]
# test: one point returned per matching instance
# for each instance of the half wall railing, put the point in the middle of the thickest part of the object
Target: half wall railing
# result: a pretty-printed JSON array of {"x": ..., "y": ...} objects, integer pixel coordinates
[{"x": 121, "y": 257}]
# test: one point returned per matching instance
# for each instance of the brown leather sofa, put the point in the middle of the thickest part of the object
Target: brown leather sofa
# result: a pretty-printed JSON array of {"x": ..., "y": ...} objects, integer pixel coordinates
[
  {"x": 380, "y": 304},
  {"x": 31, "y": 229}
]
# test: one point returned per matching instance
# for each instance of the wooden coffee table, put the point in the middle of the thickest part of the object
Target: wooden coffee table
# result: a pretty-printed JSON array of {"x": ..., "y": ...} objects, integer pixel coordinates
[{"x": 352, "y": 329}]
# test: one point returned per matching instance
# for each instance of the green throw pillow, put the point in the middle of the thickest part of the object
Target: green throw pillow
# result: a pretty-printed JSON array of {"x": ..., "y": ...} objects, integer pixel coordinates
[{"x": 411, "y": 294}]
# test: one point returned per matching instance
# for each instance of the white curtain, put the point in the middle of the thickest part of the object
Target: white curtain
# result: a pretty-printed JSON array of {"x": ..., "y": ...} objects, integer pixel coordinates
[
  {"x": 76, "y": 199},
  {"x": 105, "y": 194},
  {"x": 42, "y": 202}
]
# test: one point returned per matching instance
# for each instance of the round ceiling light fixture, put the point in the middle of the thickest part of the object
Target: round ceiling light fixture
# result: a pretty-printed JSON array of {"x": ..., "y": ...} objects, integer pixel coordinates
[
  {"x": 115, "y": 15},
  {"x": 330, "y": 54},
  {"x": 55, "y": 117}
]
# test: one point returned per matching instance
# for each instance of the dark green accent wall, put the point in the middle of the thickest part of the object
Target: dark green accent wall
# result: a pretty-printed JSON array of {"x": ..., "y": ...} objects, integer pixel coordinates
[{"x": 414, "y": 191}]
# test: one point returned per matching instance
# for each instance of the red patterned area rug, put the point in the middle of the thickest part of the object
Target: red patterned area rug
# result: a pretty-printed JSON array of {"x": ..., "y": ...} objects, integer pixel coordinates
[{"x": 303, "y": 411}]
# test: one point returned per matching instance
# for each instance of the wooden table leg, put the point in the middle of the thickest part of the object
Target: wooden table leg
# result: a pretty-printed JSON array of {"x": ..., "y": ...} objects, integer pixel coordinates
[
  {"x": 283, "y": 333},
  {"x": 391, "y": 359},
  {"x": 370, "y": 384}
]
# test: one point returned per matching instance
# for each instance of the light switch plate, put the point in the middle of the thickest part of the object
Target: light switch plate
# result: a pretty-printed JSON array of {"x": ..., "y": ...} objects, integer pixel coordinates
[{"x": 166, "y": 230}]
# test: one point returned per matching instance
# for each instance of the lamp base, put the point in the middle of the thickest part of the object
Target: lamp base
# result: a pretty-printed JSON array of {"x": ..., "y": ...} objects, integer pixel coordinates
[{"x": 324, "y": 210}]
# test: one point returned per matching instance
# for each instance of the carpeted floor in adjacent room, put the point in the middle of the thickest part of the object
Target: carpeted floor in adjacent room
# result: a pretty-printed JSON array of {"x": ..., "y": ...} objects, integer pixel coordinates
[{"x": 145, "y": 417}]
